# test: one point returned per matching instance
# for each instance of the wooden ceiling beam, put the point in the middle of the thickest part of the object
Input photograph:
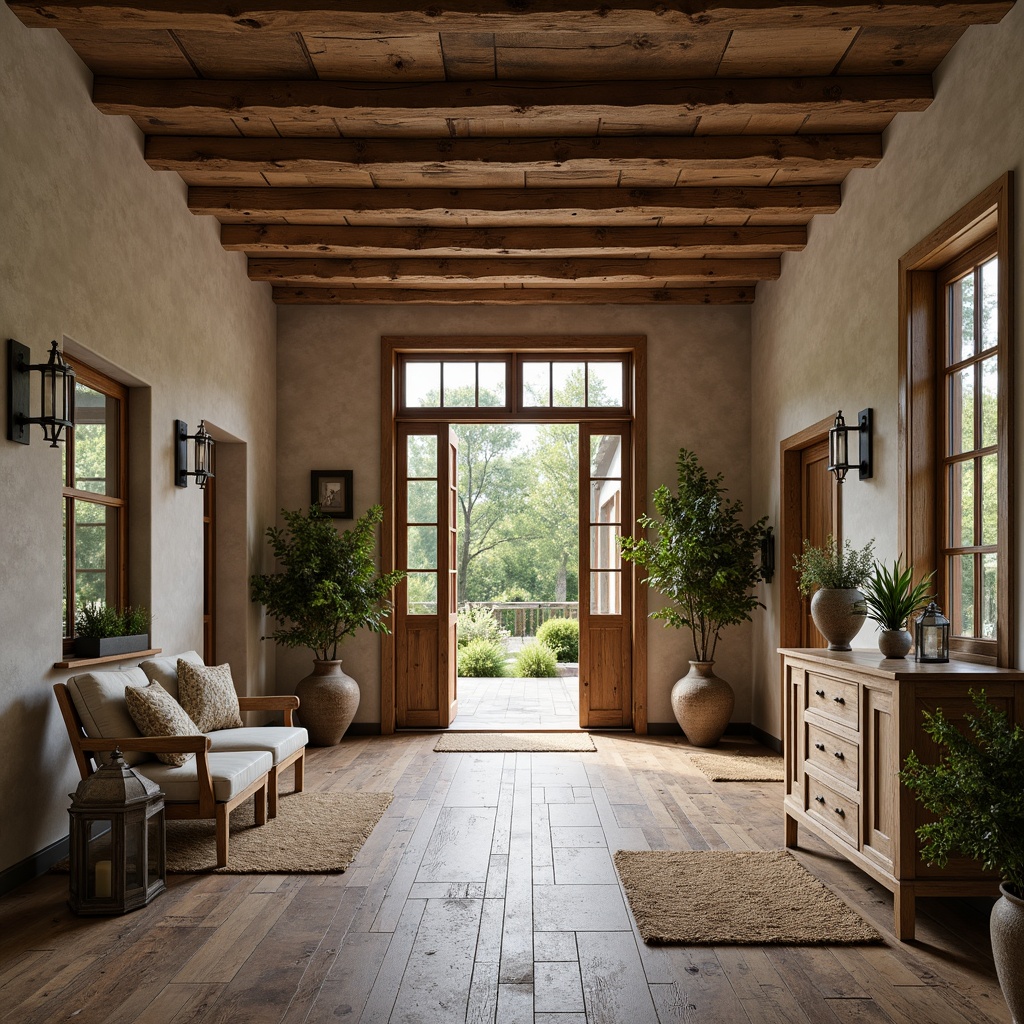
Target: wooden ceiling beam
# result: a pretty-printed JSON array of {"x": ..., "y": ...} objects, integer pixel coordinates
[
  {"x": 512, "y": 101},
  {"x": 288, "y": 296},
  {"x": 512, "y": 270},
  {"x": 260, "y": 203},
  {"x": 388, "y": 17},
  {"x": 334, "y": 240},
  {"x": 707, "y": 153}
]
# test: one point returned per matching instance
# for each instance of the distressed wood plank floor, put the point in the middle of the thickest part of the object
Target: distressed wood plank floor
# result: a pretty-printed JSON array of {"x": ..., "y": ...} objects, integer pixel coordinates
[{"x": 487, "y": 895}]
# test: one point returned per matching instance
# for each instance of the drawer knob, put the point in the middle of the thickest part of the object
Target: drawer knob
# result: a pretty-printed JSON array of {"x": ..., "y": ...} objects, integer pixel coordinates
[
  {"x": 820, "y": 746},
  {"x": 840, "y": 755},
  {"x": 839, "y": 700},
  {"x": 840, "y": 812},
  {"x": 820, "y": 693},
  {"x": 820, "y": 799}
]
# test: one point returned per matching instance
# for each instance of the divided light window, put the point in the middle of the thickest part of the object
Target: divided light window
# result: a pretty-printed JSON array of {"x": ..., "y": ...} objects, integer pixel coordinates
[{"x": 95, "y": 495}]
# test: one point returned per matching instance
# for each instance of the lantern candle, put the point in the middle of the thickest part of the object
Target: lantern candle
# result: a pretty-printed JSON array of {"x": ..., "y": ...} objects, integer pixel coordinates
[{"x": 103, "y": 878}]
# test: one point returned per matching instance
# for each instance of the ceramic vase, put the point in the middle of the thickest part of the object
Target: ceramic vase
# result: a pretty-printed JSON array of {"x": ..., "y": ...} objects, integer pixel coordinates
[
  {"x": 895, "y": 643},
  {"x": 839, "y": 615},
  {"x": 702, "y": 704},
  {"x": 1006, "y": 926},
  {"x": 328, "y": 700}
]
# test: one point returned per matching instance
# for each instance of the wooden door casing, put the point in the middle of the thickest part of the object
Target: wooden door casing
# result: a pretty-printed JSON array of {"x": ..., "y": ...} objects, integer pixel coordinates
[{"x": 818, "y": 522}]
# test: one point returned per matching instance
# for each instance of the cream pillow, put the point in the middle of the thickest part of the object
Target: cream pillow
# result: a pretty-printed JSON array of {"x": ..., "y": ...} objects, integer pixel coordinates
[
  {"x": 208, "y": 696},
  {"x": 157, "y": 713}
]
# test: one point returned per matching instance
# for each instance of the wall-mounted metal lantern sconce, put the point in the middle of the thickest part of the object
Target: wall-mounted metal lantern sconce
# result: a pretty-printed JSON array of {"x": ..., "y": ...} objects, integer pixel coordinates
[
  {"x": 57, "y": 394},
  {"x": 839, "y": 447},
  {"x": 202, "y": 460},
  {"x": 768, "y": 555}
]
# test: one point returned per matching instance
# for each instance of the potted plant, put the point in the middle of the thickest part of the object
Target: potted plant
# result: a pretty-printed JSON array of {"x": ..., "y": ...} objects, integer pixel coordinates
[
  {"x": 892, "y": 598},
  {"x": 976, "y": 792},
  {"x": 834, "y": 574},
  {"x": 102, "y": 631},
  {"x": 704, "y": 563},
  {"x": 328, "y": 589}
]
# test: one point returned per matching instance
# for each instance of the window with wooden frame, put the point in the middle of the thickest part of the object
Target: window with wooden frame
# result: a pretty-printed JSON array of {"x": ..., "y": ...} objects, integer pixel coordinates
[
  {"x": 95, "y": 496},
  {"x": 956, "y": 422}
]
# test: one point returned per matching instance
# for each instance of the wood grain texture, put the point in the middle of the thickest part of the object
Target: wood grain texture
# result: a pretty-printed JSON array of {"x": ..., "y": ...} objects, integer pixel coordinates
[{"x": 501, "y": 296}]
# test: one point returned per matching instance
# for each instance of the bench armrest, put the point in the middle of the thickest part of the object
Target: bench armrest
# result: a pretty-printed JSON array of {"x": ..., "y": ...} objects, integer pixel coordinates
[
  {"x": 150, "y": 744},
  {"x": 285, "y": 703}
]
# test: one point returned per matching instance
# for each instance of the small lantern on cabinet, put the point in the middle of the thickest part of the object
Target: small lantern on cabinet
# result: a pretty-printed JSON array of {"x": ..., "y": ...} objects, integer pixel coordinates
[
  {"x": 117, "y": 851},
  {"x": 931, "y": 635}
]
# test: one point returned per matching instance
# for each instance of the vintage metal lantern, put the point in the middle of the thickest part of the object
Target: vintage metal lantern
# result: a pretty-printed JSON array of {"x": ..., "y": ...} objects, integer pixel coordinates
[
  {"x": 117, "y": 852},
  {"x": 931, "y": 635}
]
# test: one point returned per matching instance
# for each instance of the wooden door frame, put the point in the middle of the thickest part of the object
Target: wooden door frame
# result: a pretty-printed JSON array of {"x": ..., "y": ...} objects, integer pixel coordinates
[{"x": 390, "y": 349}]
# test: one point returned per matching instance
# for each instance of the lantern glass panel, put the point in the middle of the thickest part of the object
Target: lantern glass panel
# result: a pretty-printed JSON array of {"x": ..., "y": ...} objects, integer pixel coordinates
[
  {"x": 134, "y": 852},
  {"x": 100, "y": 860},
  {"x": 154, "y": 834}
]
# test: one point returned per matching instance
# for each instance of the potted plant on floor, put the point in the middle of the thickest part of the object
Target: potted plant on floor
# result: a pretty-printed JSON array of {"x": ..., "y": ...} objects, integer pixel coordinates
[
  {"x": 102, "y": 631},
  {"x": 976, "y": 792},
  {"x": 705, "y": 563},
  {"x": 328, "y": 589},
  {"x": 891, "y": 599},
  {"x": 834, "y": 574}
]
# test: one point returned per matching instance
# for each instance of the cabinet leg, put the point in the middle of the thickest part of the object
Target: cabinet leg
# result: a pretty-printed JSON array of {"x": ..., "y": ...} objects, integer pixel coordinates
[
  {"x": 904, "y": 912},
  {"x": 791, "y": 827}
]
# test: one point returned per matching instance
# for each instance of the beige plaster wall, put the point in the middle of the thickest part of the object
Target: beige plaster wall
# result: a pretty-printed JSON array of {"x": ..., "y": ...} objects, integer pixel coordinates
[
  {"x": 329, "y": 418},
  {"x": 825, "y": 334},
  {"x": 102, "y": 252}
]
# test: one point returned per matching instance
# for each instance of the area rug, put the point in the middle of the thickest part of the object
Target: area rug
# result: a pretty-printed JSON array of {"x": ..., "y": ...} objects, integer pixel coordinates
[
  {"x": 724, "y": 897},
  {"x": 737, "y": 765},
  {"x": 513, "y": 742}
]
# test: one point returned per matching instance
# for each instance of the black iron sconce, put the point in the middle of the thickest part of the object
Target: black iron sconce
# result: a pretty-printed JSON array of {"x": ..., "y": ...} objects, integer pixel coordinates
[
  {"x": 202, "y": 460},
  {"x": 839, "y": 447},
  {"x": 768, "y": 555},
  {"x": 56, "y": 394}
]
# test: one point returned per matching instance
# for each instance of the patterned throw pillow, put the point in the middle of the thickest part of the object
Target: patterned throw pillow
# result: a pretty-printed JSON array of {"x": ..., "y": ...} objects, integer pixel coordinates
[
  {"x": 156, "y": 713},
  {"x": 208, "y": 696}
]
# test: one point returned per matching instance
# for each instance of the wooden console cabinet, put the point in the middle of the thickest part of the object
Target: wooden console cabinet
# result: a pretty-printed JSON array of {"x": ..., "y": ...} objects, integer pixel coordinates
[{"x": 850, "y": 719}]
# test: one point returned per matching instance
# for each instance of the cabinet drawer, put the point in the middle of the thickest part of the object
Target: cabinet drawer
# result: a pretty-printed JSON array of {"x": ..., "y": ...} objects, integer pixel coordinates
[
  {"x": 838, "y": 813},
  {"x": 833, "y": 754},
  {"x": 834, "y": 698}
]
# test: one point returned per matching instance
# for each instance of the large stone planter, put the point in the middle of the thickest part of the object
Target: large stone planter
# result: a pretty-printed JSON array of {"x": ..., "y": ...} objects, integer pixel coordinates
[
  {"x": 328, "y": 700},
  {"x": 1006, "y": 927},
  {"x": 839, "y": 616},
  {"x": 702, "y": 704}
]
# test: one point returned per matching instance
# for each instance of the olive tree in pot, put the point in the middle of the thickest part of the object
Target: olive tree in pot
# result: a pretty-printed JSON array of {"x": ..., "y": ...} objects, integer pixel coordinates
[
  {"x": 703, "y": 562},
  {"x": 976, "y": 792},
  {"x": 834, "y": 574},
  {"x": 892, "y": 598},
  {"x": 328, "y": 589}
]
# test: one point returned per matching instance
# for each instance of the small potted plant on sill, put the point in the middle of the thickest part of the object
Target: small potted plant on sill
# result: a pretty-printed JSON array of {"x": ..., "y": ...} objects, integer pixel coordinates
[
  {"x": 834, "y": 574},
  {"x": 102, "y": 631},
  {"x": 976, "y": 792},
  {"x": 892, "y": 598}
]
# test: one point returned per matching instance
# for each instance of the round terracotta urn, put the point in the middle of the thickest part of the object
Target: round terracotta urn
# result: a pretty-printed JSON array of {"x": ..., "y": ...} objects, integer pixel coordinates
[
  {"x": 328, "y": 700},
  {"x": 839, "y": 615},
  {"x": 702, "y": 704}
]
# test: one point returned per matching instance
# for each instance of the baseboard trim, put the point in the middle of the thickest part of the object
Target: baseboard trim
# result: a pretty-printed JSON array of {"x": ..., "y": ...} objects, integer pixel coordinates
[
  {"x": 673, "y": 729},
  {"x": 766, "y": 738},
  {"x": 363, "y": 729},
  {"x": 32, "y": 867}
]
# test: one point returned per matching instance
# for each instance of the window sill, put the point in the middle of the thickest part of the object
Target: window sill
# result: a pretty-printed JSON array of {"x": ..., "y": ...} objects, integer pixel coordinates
[{"x": 84, "y": 662}]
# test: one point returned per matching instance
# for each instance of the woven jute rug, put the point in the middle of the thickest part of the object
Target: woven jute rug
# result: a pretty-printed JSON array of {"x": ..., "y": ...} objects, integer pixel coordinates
[
  {"x": 724, "y": 897},
  {"x": 513, "y": 742},
  {"x": 739, "y": 765}
]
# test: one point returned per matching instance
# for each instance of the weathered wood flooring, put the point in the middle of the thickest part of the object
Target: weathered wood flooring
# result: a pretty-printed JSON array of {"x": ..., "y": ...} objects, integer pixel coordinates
[{"x": 487, "y": 894}]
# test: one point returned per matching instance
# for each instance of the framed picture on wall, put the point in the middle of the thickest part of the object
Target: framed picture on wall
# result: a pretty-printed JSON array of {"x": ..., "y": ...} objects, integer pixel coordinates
[{"x": 331, "y": 489}]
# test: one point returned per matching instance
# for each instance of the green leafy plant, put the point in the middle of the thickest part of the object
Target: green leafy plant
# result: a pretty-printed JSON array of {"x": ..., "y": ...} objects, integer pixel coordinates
[
  {"x": 479, "y": 624},
  {"x": 562, "y": 636},
  {"x": 97, "y": 620},
  {"x": 329, "y": 586},
  {"x": 704, "y": 559},
  {"x": 535, "y": 661},
  {"x": 832, "y": 567},
  {"x": 481, "y": 659},
  {"x": 976, "y": 791},
  {"x": 892, "y": 596}
]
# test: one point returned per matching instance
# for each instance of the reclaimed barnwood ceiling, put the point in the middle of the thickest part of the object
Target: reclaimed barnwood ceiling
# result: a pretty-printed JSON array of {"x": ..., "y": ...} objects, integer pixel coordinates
[{"x": 372, "y": 151}]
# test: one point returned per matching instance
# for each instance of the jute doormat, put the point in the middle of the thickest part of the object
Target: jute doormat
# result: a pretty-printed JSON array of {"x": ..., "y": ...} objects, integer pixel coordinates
[
  {"x": 513, "y": 742},
  {"x": 724, "y": 897},
  {"x": 739, "y": 765}
]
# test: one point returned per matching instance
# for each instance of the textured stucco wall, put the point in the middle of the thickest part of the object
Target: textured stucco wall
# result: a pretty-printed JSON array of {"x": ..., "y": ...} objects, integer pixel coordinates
[
  {"x": 102, "y": 251},
  {"x": 698, "y": 396},
  {"x": 825, "y": 335}
]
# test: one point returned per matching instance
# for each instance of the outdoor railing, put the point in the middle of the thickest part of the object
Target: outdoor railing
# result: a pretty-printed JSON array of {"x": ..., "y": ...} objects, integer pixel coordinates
[{"x": 523, "y": 618}]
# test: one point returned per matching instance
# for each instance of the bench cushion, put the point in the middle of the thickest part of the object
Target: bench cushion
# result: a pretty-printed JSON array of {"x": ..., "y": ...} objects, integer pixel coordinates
[
  {"x": 232, "y": 771},
  {"x": 99, "y": 699},
  {"x": 280, "y": 740},
  {"x": 164, "y": 670}
]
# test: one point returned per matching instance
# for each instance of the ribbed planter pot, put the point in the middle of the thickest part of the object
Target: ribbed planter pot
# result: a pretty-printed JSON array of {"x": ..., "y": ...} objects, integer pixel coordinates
[
  {"x": 328, "y": 701},
  {"x": 1006, "y": 927},
  {"x": 839, "y": 616},
  {"x": 702, "y": 704},
  {"x": 895, "y": 643}
]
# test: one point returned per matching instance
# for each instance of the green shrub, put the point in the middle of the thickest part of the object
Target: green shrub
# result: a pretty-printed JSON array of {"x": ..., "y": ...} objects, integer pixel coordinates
[
  {"x": 512, "y": 594},
  {"x": 535, "y": 661},
  {"x": 479, "y": 624},
  {"x": 481, "y": 659},
  {"x": 96, "y": 619},
  {"x": 563, "y": 637}
]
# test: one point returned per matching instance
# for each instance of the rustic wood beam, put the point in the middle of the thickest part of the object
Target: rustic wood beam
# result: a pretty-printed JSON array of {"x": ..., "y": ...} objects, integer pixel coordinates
[
  {"x": 325, "y": 203},
  {"x": 388, "y": 17},
  {"x": 515, "y": 101},
  {"x": 335, "y": 240},
  {"x": 287, "y": 296},
  {"x": 681, "y": 153},
  {"x": 606, "y": 270}
]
